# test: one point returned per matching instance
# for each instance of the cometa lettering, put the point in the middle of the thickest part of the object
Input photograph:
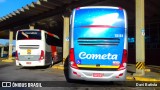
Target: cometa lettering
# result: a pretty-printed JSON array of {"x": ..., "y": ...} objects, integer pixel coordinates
[{"x": 109, "y": 56}]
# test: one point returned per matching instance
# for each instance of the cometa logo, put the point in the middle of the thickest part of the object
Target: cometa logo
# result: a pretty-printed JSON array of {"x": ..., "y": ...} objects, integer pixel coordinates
[{"x": 109, "y": 56}]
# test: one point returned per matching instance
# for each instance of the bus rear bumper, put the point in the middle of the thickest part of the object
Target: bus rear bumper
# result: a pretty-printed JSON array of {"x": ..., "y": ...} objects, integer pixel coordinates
[
  {"x": 29, "y": 63},
  {"x": 89, "y": 75}
]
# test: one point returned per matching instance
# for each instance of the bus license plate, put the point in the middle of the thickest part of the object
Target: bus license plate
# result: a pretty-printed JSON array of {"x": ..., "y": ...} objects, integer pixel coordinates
[
  {"x": 98, "y": 74},
  {"x": 28, "y": 62}
]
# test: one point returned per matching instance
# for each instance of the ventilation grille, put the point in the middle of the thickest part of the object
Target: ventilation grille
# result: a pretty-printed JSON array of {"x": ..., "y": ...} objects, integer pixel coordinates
[
  {"x": 98, "y": 41},
  {"x": 29, "y": 46}
]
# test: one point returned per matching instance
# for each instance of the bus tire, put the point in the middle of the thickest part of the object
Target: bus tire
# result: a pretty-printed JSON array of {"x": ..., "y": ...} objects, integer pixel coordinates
[
  {"x": 66, "y": 71},
  {"x": 121, "y": 83},
  {"x": 69, "y": 80},
  {"x": 52, "y": 62},
  {"x": 50, "y": 65}
]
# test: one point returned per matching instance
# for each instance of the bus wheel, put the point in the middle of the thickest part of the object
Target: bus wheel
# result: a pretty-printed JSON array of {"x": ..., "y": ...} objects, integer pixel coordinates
[
  {"x": 52, "y": 62},
  {"x": 119, "y": 83},
  {"x": 69, "y": 80},
  {"x": 50, "y": 66},
  {"x": 66, "y": 71}
]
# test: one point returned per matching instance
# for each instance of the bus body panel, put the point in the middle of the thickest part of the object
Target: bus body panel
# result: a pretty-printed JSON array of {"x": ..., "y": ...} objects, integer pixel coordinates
[
  {"x": 103, "y": 49},
  {"x": 98, "y": 36}
]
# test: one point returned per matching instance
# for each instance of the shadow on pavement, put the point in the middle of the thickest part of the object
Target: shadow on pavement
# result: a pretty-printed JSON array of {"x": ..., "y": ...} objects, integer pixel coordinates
[{"x": 4, "y": 65}]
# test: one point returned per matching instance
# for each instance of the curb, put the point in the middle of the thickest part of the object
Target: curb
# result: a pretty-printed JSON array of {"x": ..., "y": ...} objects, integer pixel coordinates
[
  {"x": 147, "y": 70},
  {"x": 7, "y": 60},
  {"x": 145, "y": 79},
  {"x": 129, "y": 78},
  {"x": 58, "y": 67},
  {"x": 137, "y": 78}
]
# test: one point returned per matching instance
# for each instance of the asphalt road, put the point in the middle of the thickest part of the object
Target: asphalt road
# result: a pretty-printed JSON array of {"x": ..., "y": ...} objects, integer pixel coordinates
[
  {"x": 9, "y": 72},
  {"x": 55, "y": 79}
]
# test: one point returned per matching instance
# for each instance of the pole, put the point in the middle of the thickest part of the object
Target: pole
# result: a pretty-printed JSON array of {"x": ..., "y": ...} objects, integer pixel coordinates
[{"x": 140, "y": 39}]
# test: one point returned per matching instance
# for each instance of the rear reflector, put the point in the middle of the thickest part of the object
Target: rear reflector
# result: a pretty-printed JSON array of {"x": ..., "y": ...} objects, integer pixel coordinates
[
  {"x": 41, "y": 55},
  {"x": 72, "y": 58},
  {"x": 74, "y": 72},
  {"x": 121, "y": 74},
  {"x": 124, "y": 60}
]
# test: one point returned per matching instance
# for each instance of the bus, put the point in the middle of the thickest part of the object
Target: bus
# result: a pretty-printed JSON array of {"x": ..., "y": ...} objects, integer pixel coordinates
[
  {"x": 35, "y": 48},
  {"x": 98, "y": 44}
]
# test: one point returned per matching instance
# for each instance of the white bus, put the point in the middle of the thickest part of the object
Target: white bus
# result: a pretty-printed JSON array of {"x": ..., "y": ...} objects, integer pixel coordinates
[
  {"x": 35, "y": 48},
  {"x": 98, "y": 44}
]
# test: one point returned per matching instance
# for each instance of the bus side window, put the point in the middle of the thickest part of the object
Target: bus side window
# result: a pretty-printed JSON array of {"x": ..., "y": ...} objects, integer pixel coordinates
[
  {"x": 50, "y": 39},
  {"x": 45, "y": 36}
]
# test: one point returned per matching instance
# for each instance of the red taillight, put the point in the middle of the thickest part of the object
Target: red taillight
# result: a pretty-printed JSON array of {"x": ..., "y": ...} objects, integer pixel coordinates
[
  {"x": 42, "y": 55},
  {"x": 72, "y": 59},
  {"x": 124, "y": 60},
  {"x": 17, "y": 55}
]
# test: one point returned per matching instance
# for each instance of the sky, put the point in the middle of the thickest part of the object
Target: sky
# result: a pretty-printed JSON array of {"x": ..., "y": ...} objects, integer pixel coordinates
[{"x": 8, "y": 6}]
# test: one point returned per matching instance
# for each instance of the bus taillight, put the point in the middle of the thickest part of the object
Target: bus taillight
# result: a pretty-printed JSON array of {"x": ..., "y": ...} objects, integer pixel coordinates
[
  {"x": 17, "y": 55},
  {"x": 124, "y": 60},
  {"x": 72, "y": 58},
  {"x": 42, "y": 55}
]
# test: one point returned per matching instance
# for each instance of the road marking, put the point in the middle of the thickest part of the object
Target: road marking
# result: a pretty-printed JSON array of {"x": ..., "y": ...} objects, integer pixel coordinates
[{"x": 7, "y": 60}]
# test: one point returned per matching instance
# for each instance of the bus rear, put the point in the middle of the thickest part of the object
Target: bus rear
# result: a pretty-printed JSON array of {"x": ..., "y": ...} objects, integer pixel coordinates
[
  {"x": 98, "y": 44},
  {"x": 30, "y": 48}
]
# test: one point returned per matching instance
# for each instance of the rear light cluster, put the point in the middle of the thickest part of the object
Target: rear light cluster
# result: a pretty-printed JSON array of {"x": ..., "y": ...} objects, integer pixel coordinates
[
  {"x": 41, "y": 55},
  {"x": 124, "y": 60},
  {"x": 17, "y": 55},
  {"x": 72, "y": 59}
]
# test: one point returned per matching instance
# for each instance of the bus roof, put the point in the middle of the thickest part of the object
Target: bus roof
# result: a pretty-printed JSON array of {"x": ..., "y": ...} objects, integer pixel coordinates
[
  {"x": 109, "y": 7},
  {"x": 30, "y": 30}
]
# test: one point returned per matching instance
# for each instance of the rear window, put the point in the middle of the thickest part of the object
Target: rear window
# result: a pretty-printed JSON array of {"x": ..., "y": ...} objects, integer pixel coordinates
[
  {"x": 29, "y": 35},
  {"x": 99, "y": 16}
]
